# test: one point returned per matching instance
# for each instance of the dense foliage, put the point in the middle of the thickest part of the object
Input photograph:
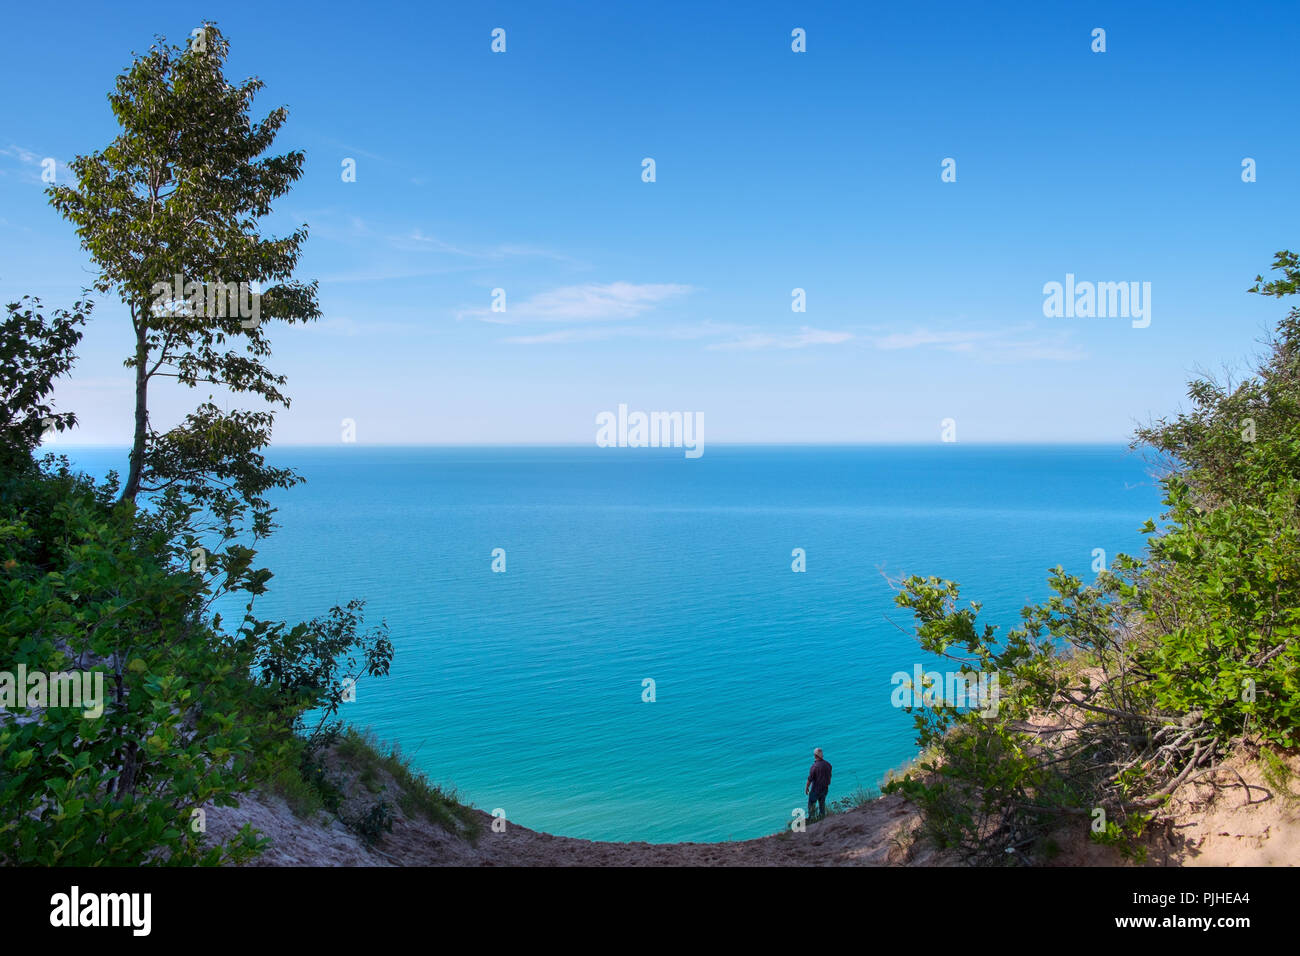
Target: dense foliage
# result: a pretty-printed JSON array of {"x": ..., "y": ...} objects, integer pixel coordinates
[
  {"x": 118, "y": 580},
  {"x": 1114, "y": 693},
  {"x": 193, "y": 714}
]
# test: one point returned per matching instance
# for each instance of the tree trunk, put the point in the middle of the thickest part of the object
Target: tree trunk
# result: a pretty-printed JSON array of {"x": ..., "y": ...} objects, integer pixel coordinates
[{"x": 132, "y": 486}]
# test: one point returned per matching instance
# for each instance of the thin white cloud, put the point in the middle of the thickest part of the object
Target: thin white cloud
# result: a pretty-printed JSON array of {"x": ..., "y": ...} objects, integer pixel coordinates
[
  {"x": 416, "y": 239},
  {"x": 591, "y": 302},
  {"x": 350, "y": 150},
  {"x": 62, "y": 174},
  {"x": 805, "y": 337},
  {"x": 992, "y": 345},
  {"x": 603, "y": 331},
  {"x": 419, "y": 249},
  {"x": 22, "y": 155},
  {"x": 384, "y": 274},
  {"x": 961, "y": 341}
]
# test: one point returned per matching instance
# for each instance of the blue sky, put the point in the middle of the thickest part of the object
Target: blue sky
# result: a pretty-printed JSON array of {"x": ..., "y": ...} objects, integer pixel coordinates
[{"x": 775, "y": 170}]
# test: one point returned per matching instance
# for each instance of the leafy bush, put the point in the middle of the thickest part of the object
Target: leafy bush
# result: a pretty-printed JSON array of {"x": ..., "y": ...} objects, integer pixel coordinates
[
  {"x": 181, "y": 726},
  {"x": 196, "y": 712},
  {"x": 192, "y": 714},
  {"x": 1114, "y": 694}
]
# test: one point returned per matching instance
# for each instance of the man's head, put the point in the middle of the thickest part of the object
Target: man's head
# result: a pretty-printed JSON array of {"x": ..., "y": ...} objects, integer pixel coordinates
[{"x": 818, "y": 753}]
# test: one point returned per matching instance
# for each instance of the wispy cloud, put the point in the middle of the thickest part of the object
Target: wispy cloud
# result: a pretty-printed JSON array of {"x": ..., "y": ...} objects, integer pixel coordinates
[
  {"x": 805, "y": 337},
  {"x": 583, "y": 303},
  {"x": 383, "y": 273},
  {"x": 955, "y": 341},
  {"x": 412, "y": 252},
  {"x": 418, "y": 241},
  {"x": 1021, "y": 343},
  {"x": 31, "y": 161},
  {"x": 604, "y": 331},
  {"x": 348, "y": 149},
  {"x": 22, "y": 155}
]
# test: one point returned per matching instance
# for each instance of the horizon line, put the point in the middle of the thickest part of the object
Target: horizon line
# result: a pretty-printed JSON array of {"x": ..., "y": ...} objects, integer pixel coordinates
[{"x": 732, "y": 444}]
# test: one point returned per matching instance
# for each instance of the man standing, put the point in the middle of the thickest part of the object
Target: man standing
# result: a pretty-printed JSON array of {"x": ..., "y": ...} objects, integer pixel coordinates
[{"x": 819, "y": 781}]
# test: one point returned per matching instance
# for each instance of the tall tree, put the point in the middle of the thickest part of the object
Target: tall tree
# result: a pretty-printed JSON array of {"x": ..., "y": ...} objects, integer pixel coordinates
[{"x": 175, "y": 201}]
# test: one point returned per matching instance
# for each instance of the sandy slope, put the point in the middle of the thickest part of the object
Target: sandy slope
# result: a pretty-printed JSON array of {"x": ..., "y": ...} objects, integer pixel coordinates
[
  {"x": 875, "y": 834},
  {"x": 1234, "y": 820}
]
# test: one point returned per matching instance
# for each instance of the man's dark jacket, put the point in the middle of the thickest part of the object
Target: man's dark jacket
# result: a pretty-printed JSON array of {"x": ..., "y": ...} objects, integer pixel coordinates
[{"x": 820, "y": 777}]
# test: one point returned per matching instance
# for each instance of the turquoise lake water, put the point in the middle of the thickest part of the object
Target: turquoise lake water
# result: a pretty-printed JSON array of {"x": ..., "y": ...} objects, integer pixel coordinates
[{"x": 524, "y": 689}]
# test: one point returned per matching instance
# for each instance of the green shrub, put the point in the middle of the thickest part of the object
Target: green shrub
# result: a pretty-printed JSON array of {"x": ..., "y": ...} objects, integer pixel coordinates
[{"x": 1114, "y": 694}]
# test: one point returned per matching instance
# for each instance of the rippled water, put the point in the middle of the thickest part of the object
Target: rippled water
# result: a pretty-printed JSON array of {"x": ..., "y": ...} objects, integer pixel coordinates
[{"x": 524, "y": 689}]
